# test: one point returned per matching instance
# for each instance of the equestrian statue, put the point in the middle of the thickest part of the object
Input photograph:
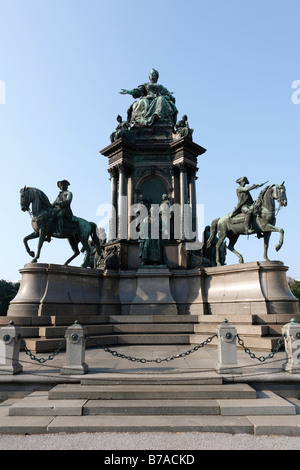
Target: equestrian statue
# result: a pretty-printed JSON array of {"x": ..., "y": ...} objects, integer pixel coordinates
[
  {"x": 250, "y": 217},
  {"x": 57, "y": 220}
]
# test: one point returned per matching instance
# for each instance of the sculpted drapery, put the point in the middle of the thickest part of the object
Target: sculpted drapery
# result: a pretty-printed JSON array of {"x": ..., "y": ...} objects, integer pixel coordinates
[{"x": 155, "y": 103}]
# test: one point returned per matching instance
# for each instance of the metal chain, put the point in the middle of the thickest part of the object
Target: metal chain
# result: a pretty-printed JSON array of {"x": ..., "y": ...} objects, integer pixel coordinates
[
  {"x": 157, "y": 360},
  {"x": 41, "y": 360},
  {"x": 261, "y": 358}
]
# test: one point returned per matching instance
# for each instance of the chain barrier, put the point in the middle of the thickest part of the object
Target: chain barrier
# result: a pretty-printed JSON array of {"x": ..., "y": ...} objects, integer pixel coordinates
[
  {"x": 157, "y": 360},
  {"x": 41, "y": 360},
  {"x": 261, "y": 358},
  {"x": 142, "y": 360}
]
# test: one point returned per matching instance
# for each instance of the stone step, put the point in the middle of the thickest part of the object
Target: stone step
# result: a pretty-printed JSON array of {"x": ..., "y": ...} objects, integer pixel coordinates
[
  {"x": 38, "y": 404},
  {"x": 234, "y": 319},
  {"x": 267, "y": 403},
  {"x": 150, "y": 407},
  {"x": 121, "y": 319},
  {"x": 245, "y": 329},
  {"x": 265, "y": 343},
  {"x": 150, "y": 392},
  {"x": 40, "y": 345},
  {"x": 37, "y": 414},
  {"x": 155, "y": 379},
  {"x": 259, "y": 331},
  {"x": 117, "y": 423},
  {"x": 121, "y": 328},
  {"x": 43, "y": 345},
  {"x": 155, "y": 338}
]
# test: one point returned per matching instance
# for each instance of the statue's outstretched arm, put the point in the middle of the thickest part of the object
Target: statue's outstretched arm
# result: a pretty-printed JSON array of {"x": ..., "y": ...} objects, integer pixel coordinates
[
  {"x": 136, "y": 92},
  {"x": 126, "y": 92}
]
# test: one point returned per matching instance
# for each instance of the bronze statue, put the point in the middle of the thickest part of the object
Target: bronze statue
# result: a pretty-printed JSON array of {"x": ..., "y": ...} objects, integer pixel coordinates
[
  {"x": 182, "y": 128},
  {"x": 62, "y": 205},
  {"x": 210, "y": 252},
  {"x": 245, "y": 202},
  {"x": 155, "y": 103},
  {"x": 151, "y": 245},
  {"x": 122, "y": 130},
  {"x": 166, "y": 214},
  {"x": 44, "y": 224},
  {"x": 263, "y": 223}
]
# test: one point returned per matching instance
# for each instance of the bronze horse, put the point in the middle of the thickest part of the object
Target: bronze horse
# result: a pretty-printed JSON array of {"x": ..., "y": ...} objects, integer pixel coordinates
[
  {"x": 44, "y": 226},
  {"x": 263, "y": 222}
]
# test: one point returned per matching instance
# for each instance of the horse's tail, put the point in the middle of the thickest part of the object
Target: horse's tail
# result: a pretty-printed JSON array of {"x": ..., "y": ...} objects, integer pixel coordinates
[
  {"x": 95, "y": 238},
  {"x": 213, "y": 231}
]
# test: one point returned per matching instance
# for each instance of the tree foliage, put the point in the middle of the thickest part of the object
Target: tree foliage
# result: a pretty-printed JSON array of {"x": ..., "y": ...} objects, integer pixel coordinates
[
  {"x": 8, "y": 291},
  {"x": 295, "y": 288}
]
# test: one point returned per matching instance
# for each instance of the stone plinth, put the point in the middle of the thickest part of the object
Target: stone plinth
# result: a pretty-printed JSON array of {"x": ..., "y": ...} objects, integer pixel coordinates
[
  {"x": 256, "y": 288},
  {"x": 153, "y": 296},
  {"x": 50, "y": 289},
  {"x": 249, "y": 288}
]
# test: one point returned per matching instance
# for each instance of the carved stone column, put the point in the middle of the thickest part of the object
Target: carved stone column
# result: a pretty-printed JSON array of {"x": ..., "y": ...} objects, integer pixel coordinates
[
  {"x": 193, "y": 201},
  {"x": 122, "y": 203},
  {"x": 113, "y": 204},
  {"x": 183, "y": 197}
]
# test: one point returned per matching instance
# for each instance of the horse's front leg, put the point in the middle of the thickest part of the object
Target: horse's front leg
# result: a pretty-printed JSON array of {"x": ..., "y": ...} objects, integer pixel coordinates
[
  {"x": 218, "y": 246},
  {"x": 25, "y": 240},
  {"x": 74, "y": 245},
  {"x": 42, "y": 236},
  {"x": 272, "y": 228},
  {"x": 232, "y": 241},
  {"x": 266, "y": 245}
]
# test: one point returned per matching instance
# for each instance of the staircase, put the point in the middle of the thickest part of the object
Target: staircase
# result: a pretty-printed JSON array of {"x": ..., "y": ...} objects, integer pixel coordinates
[
  {"x": 45, "y": 334},
  {"x": 139, "y": 404}
]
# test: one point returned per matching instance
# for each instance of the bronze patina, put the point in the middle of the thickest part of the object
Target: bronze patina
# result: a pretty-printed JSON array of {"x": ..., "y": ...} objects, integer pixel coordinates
[
  {"x": 236, "y": 223},
  {"x": 56, "y": 220}
]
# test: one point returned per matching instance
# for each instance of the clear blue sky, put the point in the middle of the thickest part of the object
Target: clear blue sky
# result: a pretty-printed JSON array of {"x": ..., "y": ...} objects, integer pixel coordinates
[{"x": 230, "y": 64}]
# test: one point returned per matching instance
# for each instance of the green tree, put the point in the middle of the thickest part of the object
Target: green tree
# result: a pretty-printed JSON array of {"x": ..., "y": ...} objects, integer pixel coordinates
[
  {"x": 295, "y": 288},
  {"x": 8, "y": 291}
]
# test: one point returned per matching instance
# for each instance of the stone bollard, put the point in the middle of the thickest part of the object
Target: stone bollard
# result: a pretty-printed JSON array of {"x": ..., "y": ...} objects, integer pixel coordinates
[
  {"x": 227, "y": 357},
  {"x": 291, "y": 335},
  {"x": 10, "y": 343},
  {"x": 75, "y": 350}
]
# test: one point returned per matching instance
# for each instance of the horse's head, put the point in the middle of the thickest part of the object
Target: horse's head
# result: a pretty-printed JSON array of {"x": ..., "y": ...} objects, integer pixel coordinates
[
  {"x": 37, "y": 198},
  {"x": 25, "y": 198},
  {"x": 279, "y": 194}
]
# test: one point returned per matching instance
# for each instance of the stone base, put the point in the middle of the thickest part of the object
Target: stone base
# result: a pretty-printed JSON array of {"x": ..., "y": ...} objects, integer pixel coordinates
[
  {"x": 153, "y": 296},
  {"x": 75, "y": 370},
  {"x": 256, "y": 288},
  {"x": 228, "y": 369},
  {"x": 11, "y": 370},
  {"x": 251, "y": 288}
]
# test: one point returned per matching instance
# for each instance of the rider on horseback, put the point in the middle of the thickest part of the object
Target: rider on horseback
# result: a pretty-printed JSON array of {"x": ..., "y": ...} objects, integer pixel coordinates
[
  {"x": 245, "y": 202},
  {"x": 64, "y": 213}
]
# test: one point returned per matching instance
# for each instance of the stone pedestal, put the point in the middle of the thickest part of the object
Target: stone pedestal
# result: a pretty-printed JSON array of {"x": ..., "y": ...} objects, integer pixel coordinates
[
  {"x": 227, "y": 356},
  {"x": 291, "y": 334},
  {"x": 153, "y": 296},
  {"x": 75, "y": 356},
  {"x": 251, "y": 288},
  {"x": 10, "y": 342},
  {"x": 257, "y": 288}
]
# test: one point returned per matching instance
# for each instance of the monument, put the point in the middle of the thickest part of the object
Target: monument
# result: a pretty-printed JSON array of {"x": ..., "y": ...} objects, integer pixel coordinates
[{"x": 153, "y": 261}]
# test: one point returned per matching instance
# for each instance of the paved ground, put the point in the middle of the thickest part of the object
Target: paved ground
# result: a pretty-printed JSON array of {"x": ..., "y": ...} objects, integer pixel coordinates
[
  {"x": 148, "y": 441},
  {"x": 202, "y": 361}
]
